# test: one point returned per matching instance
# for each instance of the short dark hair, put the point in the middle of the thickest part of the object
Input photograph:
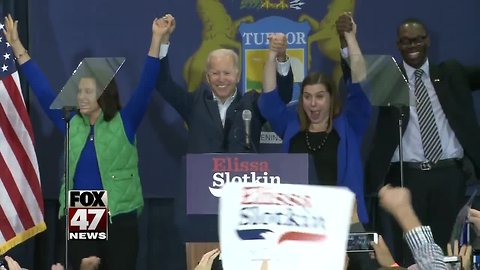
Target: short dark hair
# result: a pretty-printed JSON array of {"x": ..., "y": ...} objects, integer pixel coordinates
[
  {"x": 319, "y": 78},
  {"x": 412, "y": 21},
  {"x": 109, "y": 101}
]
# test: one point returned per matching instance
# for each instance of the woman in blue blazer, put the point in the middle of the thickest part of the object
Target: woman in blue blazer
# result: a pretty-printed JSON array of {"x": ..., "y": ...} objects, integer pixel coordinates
[{"x": 319, "y": 126}]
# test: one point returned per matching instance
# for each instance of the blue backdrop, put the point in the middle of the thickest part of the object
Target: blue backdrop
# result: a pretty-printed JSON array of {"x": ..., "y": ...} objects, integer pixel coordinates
[{"x": 63, "y": 32}]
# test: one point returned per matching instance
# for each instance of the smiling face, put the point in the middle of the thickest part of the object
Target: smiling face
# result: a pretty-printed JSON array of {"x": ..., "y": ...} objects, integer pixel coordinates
[
  {"x": 413, "y": 43},
  {"x": 222, "y": 73},
  {"x": 319, "y": 104},
  {"x": 316, "y": 104},
  {"x": 87, "y": 98}
]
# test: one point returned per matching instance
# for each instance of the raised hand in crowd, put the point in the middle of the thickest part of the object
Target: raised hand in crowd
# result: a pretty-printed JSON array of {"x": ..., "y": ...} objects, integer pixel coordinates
[
  {"x": 465, "y": 252},
  {"x": 12, "y": 264},
  {"x": 427, "y": 254},
  {"x": 382, "y": 253},
  {"x": 278, "y": 46},
  {"x": 397, "y": 201},
  {"x": 207, "y": 260},
  {"x": 57, "y": 266},
  {"x": 89, "y": 263}
]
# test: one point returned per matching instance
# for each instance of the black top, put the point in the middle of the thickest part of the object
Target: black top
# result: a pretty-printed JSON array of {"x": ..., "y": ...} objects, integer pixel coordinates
[{"x": 323, "y": 147}]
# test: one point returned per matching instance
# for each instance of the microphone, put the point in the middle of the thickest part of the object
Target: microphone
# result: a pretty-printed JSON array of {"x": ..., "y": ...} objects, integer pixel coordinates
[{"x": 247, "y": 117}]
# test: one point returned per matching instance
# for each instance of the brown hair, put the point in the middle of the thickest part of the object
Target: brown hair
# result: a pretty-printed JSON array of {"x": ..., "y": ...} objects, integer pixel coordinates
[
  {"x": 109, "y": 101},
  {"x": 318, "y": 78}
]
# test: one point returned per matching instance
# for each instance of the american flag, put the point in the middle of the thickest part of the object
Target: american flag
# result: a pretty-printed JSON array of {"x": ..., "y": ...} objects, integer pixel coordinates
[{"x": 21, "y": 202}]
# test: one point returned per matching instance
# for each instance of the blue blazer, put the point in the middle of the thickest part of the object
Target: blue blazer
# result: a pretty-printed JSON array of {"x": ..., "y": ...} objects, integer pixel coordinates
[{"x": 350, "y": 125}]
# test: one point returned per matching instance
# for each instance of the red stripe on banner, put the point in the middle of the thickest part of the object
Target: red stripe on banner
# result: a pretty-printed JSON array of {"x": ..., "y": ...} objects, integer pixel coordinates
[
  {"x": 14, "y": 92},
  {"x": 22, "y": 157},
  {"x": 301, "y": 236},
  {"x": 15, "y": 195},
  {"x": 5, "y": 228}
]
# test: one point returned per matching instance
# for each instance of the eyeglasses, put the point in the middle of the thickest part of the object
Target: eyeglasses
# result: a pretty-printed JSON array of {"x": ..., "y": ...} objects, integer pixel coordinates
[{"x": 412, "y": 41}]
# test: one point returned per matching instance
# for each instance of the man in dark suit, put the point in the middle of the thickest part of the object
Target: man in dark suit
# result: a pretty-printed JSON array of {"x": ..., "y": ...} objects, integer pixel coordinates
[
  {"x": 439, "y": 131},
  {"x": 214, "y": 115}
]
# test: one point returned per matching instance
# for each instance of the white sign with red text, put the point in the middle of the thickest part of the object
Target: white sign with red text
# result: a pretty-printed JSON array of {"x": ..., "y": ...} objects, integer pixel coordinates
[{"x": 290, "y": 226}]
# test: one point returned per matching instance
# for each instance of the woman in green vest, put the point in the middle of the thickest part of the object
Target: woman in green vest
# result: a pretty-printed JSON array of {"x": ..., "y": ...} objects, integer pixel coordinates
[{"x": 103, "y": 153}]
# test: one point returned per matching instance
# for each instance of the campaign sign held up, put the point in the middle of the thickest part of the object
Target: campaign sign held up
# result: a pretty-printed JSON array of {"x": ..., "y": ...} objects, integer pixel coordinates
[
  {"x": 287, "y": 226},
  {"x": 87, "y": 215}
]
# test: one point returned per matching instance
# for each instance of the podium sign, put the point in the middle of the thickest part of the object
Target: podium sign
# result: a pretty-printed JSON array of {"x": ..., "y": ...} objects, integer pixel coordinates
[{"x": 207, "y": 173}]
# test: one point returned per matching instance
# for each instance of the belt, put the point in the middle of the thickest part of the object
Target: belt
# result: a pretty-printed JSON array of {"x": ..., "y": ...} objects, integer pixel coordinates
[{"x": 427, "y": 165}]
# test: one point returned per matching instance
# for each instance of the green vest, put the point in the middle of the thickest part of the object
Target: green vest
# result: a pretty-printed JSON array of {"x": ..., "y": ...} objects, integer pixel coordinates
[{"x": 117, "y": 161}]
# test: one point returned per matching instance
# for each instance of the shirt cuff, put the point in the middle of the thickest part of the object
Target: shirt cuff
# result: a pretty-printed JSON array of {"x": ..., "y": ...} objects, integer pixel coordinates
[
  {"x": 163, "y": 50},
  {"x": 283, "y": 67},
  {"x": 419, "y": 236},
  {"x": 344, "y": 52}
]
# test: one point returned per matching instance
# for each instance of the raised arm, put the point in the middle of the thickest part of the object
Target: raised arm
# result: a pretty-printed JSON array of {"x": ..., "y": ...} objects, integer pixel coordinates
[
  {"x": 344, "y": 24},
  {"x": 270, "y": 103},
  {"x": 284, "y": 75},
  {"x": 427, "y": 254},
  {"x": 39, "y": 83},
  {"x": 284, "y": 70},
  {"x": 174, "y": 94},
  {"x": 357, "y": 107},
  {"x": 346, "y": 30},
  {"x": 133, "y": 112},
  {"x": 11, "y": 34},
  {"x": 357, "y": 62},
  {"x": 270, "y": 68}
]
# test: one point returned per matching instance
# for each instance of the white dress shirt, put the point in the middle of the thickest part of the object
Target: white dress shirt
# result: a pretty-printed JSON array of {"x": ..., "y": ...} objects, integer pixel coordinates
[
  {"x": 282, "y": 69},
  {"x": 412, "y": 140}
]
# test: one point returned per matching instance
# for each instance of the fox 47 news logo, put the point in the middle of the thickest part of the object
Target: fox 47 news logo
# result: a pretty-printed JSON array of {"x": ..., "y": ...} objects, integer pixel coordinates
[{"x": 87, "y": 215}]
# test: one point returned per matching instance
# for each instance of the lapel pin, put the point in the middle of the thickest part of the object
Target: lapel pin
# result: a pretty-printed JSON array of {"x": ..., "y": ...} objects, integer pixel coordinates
[{"x": 436, "y": 80}]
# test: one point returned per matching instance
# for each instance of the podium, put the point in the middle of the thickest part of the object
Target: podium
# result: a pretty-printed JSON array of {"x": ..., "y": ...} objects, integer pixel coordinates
[{"x": 206, "y": 174}]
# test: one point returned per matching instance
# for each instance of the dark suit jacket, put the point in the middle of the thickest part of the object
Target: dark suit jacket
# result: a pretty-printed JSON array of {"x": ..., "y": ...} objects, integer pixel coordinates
[
  {"x": 200, "y": 112},
  {"x": 206, "y": 135},
  {"x": 453, "y": 84}
]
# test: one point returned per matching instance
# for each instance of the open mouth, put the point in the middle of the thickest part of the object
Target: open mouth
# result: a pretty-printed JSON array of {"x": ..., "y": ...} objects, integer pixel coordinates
[{"x": 314, "y": 114}]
